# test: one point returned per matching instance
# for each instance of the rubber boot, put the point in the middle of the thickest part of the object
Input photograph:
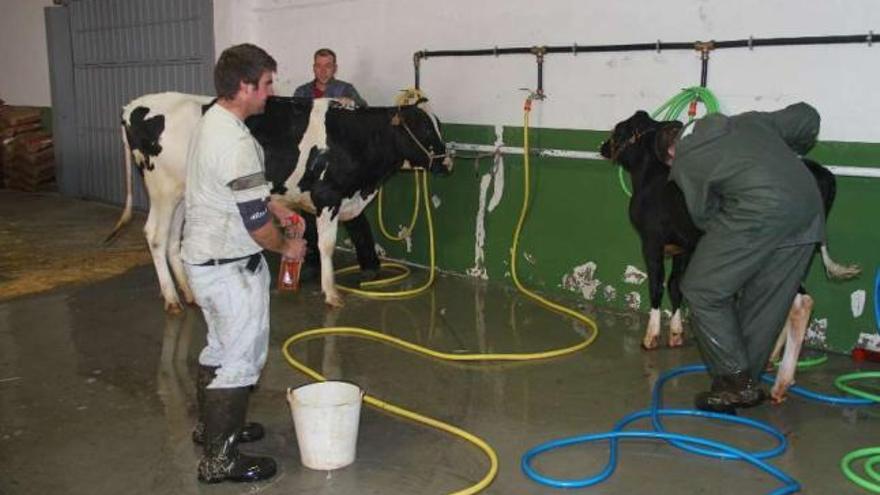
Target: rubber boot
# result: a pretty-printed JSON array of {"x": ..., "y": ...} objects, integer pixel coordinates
[
  {"x": 729, "y": 392},
  {"x": 251, "y": 432},
  {"x": 225, "y": 409},
  {"x": 751, "y": 394}
]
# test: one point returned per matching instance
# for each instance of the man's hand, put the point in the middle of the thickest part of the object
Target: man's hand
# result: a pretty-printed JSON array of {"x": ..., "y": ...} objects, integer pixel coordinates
[
  {"x": 345, "y": 102},
  {"x": 294, "y": 248},
  {"x": 281, "y": 212}
]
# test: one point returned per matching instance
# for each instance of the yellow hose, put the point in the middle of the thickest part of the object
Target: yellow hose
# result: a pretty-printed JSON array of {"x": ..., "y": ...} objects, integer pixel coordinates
[
  {"x": 369, "y": 334},
  {"x": 415, "y": 213},
  {"x": 402, "y": 293},
  {"x": 402, "y": 269},
  {"x": 522, "y": 216}
]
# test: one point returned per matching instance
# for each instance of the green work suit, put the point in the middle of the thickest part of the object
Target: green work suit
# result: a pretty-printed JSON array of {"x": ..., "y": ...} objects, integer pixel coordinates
[{"x": 762, "y": 214}]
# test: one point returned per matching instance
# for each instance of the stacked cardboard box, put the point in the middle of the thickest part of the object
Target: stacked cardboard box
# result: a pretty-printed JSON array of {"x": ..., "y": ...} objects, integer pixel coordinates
[{"x": 28, "y": 159}]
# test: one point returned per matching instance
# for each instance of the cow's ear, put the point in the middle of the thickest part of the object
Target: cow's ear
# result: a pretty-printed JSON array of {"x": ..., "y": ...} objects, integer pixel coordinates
[
  {"x": 665, "y": 137},
  {"x": 395, "y": 120}
]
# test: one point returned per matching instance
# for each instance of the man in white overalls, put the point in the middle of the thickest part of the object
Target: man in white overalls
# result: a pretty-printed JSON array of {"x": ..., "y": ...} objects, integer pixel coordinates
[{"x": 228, "y": 224}]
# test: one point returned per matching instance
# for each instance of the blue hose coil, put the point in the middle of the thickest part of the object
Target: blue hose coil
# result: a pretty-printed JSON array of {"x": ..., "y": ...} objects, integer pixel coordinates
[{"x": 695, "y": 445}]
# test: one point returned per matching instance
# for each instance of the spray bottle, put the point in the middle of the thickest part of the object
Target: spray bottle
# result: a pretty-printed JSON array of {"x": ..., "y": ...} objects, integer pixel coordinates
[{"x": 288, "y": 272}]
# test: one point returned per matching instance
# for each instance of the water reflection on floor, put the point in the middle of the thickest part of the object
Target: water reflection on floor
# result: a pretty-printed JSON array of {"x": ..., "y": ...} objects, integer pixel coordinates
[{"x": 96, "y": 396}]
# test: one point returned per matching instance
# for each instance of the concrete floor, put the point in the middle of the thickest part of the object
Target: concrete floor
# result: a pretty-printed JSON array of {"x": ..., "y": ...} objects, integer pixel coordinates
[{"x": 96, "y": 397}]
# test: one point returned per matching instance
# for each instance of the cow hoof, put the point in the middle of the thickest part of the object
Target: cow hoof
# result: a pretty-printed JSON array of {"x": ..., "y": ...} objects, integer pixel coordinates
[
  {"x": 676, "y": 340},
  {"x": 173, "y": 308},
  {"x": 650, "y": 343},
  {"x": 334, "y": 301},
  {"x": 779, "y": 392}
]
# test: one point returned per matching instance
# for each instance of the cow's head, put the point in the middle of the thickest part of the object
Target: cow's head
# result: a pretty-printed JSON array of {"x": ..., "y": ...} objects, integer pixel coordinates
[
  {"x": 421, "y": 140},
  {"x": 639, "y": 137},
  {"x": 143, "y": 136}
]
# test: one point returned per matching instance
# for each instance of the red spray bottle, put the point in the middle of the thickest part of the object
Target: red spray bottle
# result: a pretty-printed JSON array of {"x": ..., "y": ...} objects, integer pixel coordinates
[{"x": 288, "y": 272}]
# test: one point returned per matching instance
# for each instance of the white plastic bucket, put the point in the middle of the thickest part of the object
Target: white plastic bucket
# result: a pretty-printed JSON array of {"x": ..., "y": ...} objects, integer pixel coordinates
[{"x": 326, "y": 417}]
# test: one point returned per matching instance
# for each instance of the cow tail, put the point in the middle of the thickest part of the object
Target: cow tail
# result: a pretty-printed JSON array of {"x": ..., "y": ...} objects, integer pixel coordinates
[
  {"x": 126, "y": 212},
  {"x": 835, "y": 270}
]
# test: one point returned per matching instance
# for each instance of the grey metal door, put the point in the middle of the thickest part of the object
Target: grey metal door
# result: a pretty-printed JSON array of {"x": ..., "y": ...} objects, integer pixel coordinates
[{"x": 118, "y": 50}]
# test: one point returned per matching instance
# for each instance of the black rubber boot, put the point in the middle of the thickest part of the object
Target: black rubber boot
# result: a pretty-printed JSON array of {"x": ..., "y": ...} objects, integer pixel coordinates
[
  {"x": 751, "y": 393},
  {"x": 730, "y": 392},
  {"x": 225, "y": 409},
  {"x": 250, "y": 432}
]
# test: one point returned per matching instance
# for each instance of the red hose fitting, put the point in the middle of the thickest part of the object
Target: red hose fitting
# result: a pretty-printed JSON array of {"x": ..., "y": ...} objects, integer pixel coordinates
[{"x": 692, "y": 109}]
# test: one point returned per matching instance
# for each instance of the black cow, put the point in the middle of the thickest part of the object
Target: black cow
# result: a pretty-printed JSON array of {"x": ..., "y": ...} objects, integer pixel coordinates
[{"x": 659, "y": 214}]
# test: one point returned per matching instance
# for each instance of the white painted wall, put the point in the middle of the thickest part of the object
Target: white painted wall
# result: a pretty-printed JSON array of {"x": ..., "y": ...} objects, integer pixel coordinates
[
  {"x": 24, "y": 66},
  {"x": 375, "y": 40}
]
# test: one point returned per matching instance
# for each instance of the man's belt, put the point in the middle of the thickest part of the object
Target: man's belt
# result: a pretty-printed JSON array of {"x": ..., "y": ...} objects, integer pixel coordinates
[{"x": 253, "y": 261}]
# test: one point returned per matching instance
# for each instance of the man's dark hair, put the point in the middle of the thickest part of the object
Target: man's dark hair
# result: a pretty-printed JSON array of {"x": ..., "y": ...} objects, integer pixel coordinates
[
  {"x": 241, "y": 63},
  {"x": 325, "y": 52}
]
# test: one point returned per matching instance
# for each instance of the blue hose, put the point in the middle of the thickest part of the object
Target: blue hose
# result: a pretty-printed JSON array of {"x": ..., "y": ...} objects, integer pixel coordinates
[{"x": 696, "y": 445}]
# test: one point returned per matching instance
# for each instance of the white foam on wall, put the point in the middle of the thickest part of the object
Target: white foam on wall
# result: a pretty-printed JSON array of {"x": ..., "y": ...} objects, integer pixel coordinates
[
  {"x": 495, "y": 179},
  {"x": 857, "y": 303},
  {"x": 633, "y": 300},
  {"x": 479, "y": 268},
  {"x": 582, "y": 278},
  {"x": 634, "y": 276}
]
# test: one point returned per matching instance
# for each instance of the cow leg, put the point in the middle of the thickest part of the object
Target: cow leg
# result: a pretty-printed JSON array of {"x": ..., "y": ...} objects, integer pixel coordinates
[
  {"x": 798, "y": 318},
  {"x": 780, "y": 341},
  {"x": 174, "y": 241},
  {"x": 157, "y": 231},
  {"x": 676, "y": 329},
  {"x": 327, "y": 228},
  {"x": 654, "y": 261}
]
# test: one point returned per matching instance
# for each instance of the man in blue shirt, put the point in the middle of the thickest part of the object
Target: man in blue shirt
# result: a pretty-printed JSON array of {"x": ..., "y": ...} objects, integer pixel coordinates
[{"x": 325, "y": 85}]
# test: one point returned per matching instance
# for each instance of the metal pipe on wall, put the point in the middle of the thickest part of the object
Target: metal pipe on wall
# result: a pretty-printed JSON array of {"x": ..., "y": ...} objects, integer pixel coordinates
[{"x": 702, "y": 46}]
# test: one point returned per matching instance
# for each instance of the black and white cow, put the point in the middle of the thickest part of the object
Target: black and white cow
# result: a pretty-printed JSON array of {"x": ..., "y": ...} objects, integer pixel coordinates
[
  {"x": 659, "y": 214},
  {"x": 329, "y": 161}
]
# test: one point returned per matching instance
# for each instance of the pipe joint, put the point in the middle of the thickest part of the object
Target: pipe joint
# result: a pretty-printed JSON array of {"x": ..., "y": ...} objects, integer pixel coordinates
[
  {"x": 704, "y": 47},
  {"x": 539, "y": 51}
]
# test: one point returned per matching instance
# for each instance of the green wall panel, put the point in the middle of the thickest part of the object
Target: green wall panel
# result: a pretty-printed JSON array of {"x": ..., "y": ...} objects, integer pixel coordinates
[{"x": 578, "y": 214}]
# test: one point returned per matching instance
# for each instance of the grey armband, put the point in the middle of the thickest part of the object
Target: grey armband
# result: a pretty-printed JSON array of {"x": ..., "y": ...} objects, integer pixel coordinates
[{"x": 247, "y": 182}]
